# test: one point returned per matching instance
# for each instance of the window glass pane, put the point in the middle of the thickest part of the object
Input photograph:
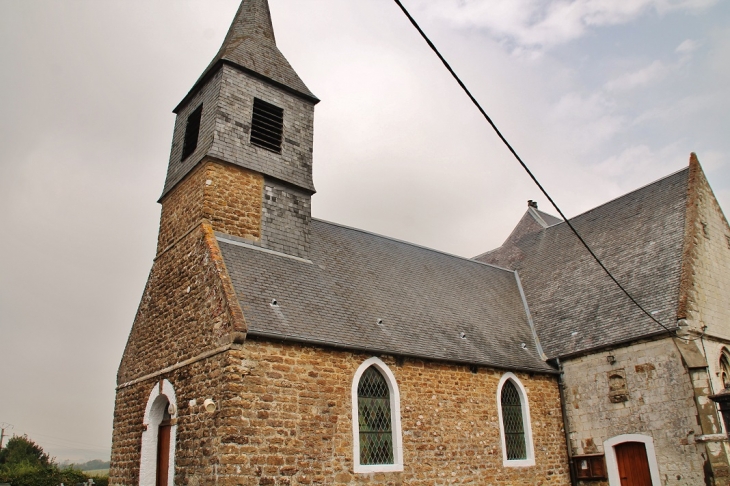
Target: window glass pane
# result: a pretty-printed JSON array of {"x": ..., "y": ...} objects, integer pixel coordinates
[
  {"x": 374, "y": 420},
  {"x": 512, "y": 422}
]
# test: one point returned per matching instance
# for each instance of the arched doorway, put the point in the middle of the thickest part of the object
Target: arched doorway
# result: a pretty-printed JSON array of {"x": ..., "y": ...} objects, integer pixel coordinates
[
  {"x": 631, "y": 461},
  {"x": 157, "y": 462}
]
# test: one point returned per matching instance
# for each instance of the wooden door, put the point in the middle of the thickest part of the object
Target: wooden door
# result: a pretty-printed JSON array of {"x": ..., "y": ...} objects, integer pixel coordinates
[
  {"x": 633, "y": 464},
  {"x": 163, "y": 453}
]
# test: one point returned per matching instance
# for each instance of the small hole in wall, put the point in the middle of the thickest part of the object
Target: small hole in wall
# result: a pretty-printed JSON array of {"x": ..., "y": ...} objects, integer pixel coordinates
[
  {"x": 462, "y": 335},
  {"x": 380, "y": 322},
  {"x": 274, "y": 303}
]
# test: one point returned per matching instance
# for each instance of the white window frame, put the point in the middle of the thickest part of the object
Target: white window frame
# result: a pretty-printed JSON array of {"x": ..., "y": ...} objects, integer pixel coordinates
[
  {"x": 614, "y": 479},
  {"x": 527, "y": 423},
  {"x": 162, "y": 393},
  {"x": 395, "y": 420}
]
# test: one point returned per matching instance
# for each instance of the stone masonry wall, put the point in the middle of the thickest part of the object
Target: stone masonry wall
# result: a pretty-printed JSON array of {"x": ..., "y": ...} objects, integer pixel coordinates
[
  {"x": 185, "y": 309},
  {"x": 706, "y": 285},
  {"x": 233, "y": 200},
  {"x": 285, "y": 419},
  {"x": 229, "y": 197},
  {"x": 660, "y": 404},
  {"x": 719, "y": 451},
  {"x": 196, "y": 432}
]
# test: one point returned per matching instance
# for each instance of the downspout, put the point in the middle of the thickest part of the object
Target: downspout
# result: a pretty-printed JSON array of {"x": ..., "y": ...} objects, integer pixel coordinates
[{"x": 564, "y": 410}]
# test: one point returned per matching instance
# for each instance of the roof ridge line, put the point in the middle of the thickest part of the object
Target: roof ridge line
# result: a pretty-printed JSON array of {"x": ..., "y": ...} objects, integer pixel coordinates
[
  {"x": 411, "y": 244},
  {"x": 622, "y": 196}
]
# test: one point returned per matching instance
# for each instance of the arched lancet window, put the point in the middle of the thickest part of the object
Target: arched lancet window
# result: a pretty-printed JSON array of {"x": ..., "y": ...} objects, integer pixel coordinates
[
  {"x": 514, "y": 421},
  {"x": 376, "y": 419},
  {"x": 157, "y": 462},
  {"x": 725, "y": 369},
  {"x": 514, "y": 427}
]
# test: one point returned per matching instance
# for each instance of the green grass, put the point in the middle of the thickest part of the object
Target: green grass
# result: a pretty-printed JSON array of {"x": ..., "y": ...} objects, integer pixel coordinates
[{"x": 98, "y": 473}]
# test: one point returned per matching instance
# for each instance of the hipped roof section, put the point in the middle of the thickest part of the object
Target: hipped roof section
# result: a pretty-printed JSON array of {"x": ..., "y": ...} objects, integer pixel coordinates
[
  {"x": 639, "y": 237},
  {"x": 250, "y": 46}
]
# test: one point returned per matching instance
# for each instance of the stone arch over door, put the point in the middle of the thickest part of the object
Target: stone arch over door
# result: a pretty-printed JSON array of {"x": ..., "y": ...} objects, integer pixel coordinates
[
  {"x": 612, "y": 463},
  {"x": 162, "y": 396}
]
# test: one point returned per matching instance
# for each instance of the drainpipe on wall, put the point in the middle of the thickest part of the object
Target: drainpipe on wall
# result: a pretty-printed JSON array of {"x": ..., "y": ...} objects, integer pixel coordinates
[{"x": 564, "y": 410}]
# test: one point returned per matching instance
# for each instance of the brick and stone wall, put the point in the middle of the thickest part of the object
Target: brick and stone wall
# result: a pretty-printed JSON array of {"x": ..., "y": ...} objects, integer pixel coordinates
[
  {"x": 229, "y": 197},
  {"x": 285, "y": 414},
  {"x": 188, "y": 307},
  {"x": 239, "y": 203},
  {"x": 660, "y": 403}
]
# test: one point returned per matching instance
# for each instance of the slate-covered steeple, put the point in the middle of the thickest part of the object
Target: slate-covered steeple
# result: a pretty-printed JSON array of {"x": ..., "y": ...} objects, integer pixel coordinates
[
  {"x": 251, "y": 45},
  {"x": 250, "y": 112}
]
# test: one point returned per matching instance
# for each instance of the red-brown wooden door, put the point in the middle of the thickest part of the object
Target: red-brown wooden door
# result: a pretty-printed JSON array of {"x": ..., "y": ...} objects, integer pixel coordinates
[
  {"x": 633, "y": 464},
  {"x": 163, "y": 453}
]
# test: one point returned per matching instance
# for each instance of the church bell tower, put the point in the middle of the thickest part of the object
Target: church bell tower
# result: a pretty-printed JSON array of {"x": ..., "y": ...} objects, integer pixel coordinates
[{"x": 241, "y": 154}]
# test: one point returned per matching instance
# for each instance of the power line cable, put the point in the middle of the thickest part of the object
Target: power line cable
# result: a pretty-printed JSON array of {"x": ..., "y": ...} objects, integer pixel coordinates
[{"x": 524, "y": 166}]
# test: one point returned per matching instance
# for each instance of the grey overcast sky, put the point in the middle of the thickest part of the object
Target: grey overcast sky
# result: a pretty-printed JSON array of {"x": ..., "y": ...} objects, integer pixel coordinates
[{"x": 599, "y": 97}]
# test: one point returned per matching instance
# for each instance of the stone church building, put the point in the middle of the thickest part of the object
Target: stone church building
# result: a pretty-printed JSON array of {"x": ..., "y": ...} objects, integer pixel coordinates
[{"x": 272, "y": 348}]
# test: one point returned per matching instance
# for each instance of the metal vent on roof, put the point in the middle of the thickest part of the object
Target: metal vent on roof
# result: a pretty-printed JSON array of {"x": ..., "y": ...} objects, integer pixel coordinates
[
  {"x": 267, "y": 125},
  {"x": 192, "y": 130}
]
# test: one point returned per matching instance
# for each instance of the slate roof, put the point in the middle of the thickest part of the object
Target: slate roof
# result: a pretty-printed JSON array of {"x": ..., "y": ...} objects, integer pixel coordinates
[
  {"x": 549, "y": 219},
  {"x": 639, "y": 237},
  {"x": 250, "y": 44},
  {"x": 425, "y": 299}
]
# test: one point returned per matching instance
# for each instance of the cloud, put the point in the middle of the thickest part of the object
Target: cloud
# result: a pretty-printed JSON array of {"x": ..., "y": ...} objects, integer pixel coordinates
[
  {"x": 547, "y": 23},
  {"x": 688, "y": 47},
  {"x": 638, "y": 79},
  {"x": 638, "y": 165},
  {"x": 586, "y": 120}
]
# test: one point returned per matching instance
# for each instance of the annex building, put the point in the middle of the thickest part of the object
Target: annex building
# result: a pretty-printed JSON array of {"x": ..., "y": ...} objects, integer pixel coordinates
[{"x": 272, "y": 348}]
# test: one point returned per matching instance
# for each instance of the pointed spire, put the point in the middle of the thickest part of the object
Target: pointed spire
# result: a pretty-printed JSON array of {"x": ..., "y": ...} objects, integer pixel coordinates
[
  {"x": 251, "y": 45},
  {"x": 253, "y": 20}
]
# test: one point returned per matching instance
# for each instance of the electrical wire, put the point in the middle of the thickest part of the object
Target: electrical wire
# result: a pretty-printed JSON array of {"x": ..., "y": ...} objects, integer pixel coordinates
[{"x": 527, "y": 169}]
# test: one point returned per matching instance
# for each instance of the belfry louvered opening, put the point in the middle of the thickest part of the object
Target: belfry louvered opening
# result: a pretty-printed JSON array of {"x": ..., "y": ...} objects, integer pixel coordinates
[
  {"x": 267, "y": 125},
  {"x": 192, "y": 131}
]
